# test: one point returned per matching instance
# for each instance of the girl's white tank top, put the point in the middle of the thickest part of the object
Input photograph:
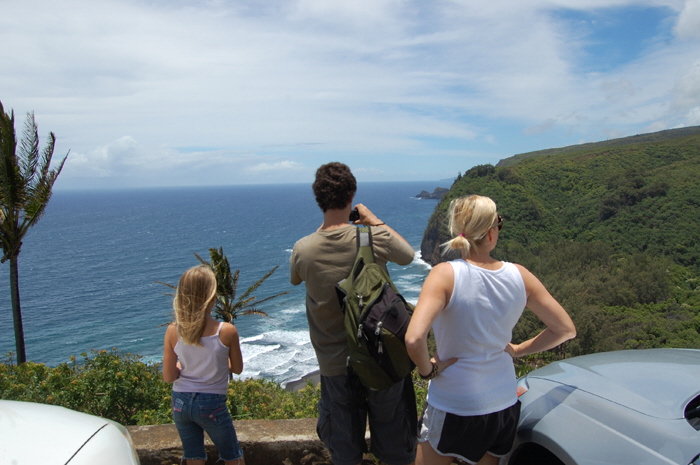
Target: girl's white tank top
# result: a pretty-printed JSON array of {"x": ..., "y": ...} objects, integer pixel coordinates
[{"x": 204, "y": 369}]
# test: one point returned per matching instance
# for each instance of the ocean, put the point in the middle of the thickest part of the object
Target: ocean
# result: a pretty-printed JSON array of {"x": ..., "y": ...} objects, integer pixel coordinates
[{"x": 89, "y": 268}]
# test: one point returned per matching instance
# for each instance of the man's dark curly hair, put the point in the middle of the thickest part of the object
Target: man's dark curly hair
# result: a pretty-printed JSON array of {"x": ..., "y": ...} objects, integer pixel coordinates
[{"x": 335, "y": 186}]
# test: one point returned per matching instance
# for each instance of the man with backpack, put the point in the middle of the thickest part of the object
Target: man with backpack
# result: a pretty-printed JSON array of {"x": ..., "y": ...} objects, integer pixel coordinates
[{"x": 322, "y": 260}]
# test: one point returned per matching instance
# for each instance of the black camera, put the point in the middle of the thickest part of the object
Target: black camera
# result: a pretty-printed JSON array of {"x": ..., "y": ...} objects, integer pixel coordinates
[{"x": 354, "y": 216}]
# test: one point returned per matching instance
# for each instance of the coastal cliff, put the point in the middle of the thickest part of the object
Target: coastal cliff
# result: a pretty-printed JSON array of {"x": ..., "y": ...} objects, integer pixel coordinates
[
  {"x": 435, "y": 234},
  {"x": 588, "y": 192},
  {"x": 610, "y": 229}
]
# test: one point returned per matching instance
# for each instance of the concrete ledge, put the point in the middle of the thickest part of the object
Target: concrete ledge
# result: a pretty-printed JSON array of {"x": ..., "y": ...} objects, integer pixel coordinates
[{"x": 264, "y": 442}]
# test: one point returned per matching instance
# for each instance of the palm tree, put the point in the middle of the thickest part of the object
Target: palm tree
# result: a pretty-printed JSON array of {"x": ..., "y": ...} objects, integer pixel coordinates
[
  {"x": 229, "y": 306},
  {"x": 25, "y": 189}
]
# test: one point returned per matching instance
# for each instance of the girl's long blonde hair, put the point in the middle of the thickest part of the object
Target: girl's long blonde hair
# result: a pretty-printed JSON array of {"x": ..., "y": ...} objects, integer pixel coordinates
[
  {"x": 195, "y": 293},
  {"x": 470, "y": 219}
]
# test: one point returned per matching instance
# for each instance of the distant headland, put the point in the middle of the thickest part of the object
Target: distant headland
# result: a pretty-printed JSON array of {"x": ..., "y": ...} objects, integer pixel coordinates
[{"x": 436, "y": 195}]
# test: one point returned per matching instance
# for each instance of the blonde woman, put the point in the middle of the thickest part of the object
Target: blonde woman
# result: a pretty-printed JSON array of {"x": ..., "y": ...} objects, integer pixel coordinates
[
  {"x": 199, "y": 353},
  {"x": 472, "y": 305}
]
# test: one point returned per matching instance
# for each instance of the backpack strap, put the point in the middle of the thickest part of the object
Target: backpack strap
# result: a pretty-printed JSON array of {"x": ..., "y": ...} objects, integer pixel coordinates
[
  {"x": 365, "y": 245},
  {"x": 364, "y": 256}
]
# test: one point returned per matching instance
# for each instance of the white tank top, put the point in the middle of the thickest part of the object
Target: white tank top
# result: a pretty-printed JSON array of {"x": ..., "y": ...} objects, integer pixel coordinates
[
  {"x": 204, "y": 369},
  {"x": 475, "y": 326}
]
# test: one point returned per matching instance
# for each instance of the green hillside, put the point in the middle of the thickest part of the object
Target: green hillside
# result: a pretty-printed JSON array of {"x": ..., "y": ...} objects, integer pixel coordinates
[
  {"x": 639, "y": 138},
  {"x": 612, "y": 230}
]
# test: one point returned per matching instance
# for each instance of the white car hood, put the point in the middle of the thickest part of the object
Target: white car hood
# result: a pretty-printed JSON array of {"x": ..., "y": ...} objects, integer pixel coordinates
[
  {"x": 32, "y": 432},
  {"x": 657, "y": 382}
]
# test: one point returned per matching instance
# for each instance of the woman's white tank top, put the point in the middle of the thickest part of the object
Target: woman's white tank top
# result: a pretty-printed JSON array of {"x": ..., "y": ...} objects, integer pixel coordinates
[{"x": 475, "y": 326}]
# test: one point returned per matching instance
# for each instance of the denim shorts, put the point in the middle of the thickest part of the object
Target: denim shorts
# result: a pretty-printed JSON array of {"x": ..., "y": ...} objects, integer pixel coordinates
[
  {"x": 345, "y": 408},
  {"x": 194, "y": 413}
]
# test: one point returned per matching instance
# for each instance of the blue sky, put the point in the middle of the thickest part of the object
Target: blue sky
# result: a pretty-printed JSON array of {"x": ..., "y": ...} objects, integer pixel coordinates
[{"x": 178, "y": 92}]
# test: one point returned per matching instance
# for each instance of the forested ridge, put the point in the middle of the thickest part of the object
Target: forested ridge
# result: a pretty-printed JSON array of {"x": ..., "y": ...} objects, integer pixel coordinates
[{"x": 611, "y": 229}]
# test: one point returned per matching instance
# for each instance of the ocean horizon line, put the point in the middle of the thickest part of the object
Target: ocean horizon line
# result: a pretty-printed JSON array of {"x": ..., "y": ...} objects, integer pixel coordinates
[{"x": 59, "y": 188}]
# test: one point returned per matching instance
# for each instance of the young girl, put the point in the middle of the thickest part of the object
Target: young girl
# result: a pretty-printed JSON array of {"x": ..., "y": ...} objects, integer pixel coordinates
[{"x": 198, "y": 354}]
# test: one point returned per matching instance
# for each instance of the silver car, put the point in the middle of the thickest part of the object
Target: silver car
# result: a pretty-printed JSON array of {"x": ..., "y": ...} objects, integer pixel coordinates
[
  {"x": 33, "y": 433},
  {"x": 625, "y": 407}
]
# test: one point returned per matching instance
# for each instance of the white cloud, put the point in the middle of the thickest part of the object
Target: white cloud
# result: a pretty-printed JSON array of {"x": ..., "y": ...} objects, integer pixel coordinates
[
  {"x": 283, "y": 166},
  {"x": 693, "y": 116},
  {"x": 687, "y": 89},
  {"x": 166, "y": 91},
  {"x": 688, "y": 26}
]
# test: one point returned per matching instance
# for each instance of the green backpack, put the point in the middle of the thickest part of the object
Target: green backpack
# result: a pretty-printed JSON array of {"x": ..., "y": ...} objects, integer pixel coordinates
[{"x": 376, "y": 318}]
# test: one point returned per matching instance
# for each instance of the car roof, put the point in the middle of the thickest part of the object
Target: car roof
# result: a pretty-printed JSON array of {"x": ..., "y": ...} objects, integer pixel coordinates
[{"x": 655, "y": 382}]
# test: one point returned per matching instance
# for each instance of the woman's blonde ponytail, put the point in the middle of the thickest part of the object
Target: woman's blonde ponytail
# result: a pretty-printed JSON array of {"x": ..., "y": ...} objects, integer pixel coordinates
[{"x": 470, "y": 219}]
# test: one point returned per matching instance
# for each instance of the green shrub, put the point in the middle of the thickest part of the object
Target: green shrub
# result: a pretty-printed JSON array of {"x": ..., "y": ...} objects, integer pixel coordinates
[
  {"x": 121, "y": 387},
  {"x": 263, "y": 399},
  {"x": 107, "y": 384}
]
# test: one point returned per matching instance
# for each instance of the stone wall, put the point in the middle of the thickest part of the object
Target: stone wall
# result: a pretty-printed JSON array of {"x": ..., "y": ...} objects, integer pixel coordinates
[{"x": 264, "y": 442}]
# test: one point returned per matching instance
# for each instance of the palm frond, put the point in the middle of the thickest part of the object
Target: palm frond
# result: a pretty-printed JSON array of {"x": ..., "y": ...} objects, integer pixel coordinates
[
  {"x": 223, "y": 315},
  {"x": 259, "y": 282},
  {"x": 8, "y": 157},
  {"x": 243, "y": 303},
  {"x": 272, "y": 297},
  {"x": 228, "y": 306},
  {"x": 46, "y": 157},
  {"x": 254, "y": 311},
  {"x": 39, "y": 189},
  {"x": 29, "y": 150},
  {"x": 201, "y": 260},
  {"x": 171, "y": 286}
]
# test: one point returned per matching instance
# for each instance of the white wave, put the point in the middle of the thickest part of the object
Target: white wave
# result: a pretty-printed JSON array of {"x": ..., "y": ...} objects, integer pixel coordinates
[
  {"x": 418, "y": 260},
  {"x": 279, "y": 355},
  {"x": 294, "y": 310},
  {"x": 409, "y": 289},
  {"x": 409, "y": 278},
  {"x": 286, "y": 337},
  {"x": 251, "y": 351},
  {"x": 279, "y": 361},
  {"x": 245, "y": 374},
  {"x": 151, "y": 359},
  {"x": 252, "y": 338}
]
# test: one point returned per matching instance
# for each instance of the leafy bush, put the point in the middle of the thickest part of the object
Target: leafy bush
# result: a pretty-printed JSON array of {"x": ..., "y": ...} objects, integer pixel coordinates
[
  {"x": 262, "y": 399},
  {"x": 123, "y": 388},
  {"x": 108, "y": 384}
]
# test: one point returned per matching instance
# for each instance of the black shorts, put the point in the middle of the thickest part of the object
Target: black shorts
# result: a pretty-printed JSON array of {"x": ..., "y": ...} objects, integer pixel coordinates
[
  {"x": 469, "y": 438},
  {"x": 346, "y": 407}
]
